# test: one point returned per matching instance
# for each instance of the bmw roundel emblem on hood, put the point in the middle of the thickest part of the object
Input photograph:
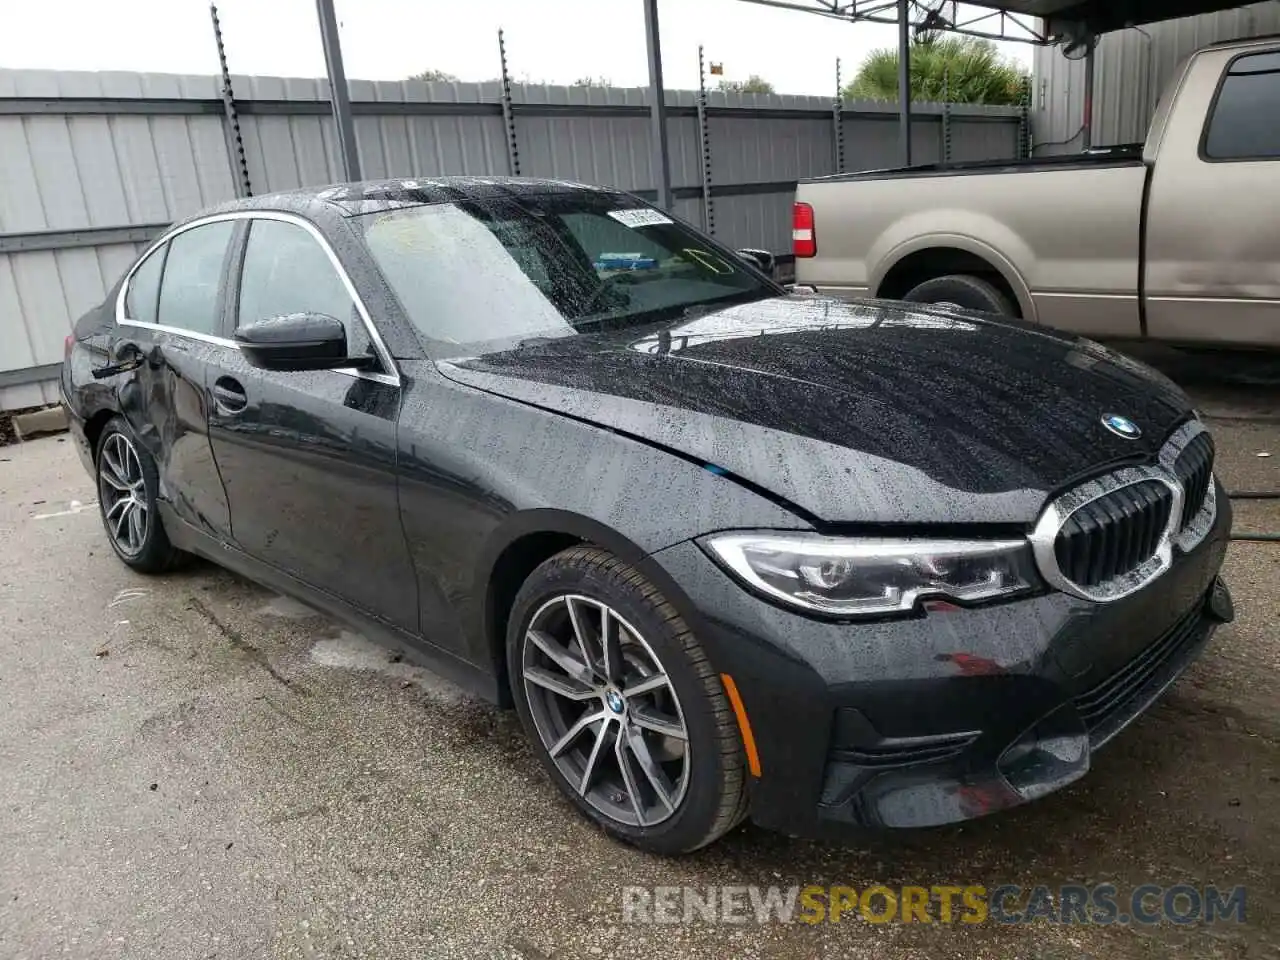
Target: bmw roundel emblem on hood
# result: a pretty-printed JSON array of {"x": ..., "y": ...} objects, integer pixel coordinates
[{"x": 1121, "y": 426}]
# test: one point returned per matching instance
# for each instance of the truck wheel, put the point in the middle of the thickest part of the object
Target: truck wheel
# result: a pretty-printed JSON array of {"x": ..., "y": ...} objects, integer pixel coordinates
[{"x": 962, "y": 290}]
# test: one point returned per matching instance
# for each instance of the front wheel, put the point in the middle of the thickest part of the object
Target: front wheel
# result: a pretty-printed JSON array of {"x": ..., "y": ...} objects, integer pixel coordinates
[
  {"x": 127, "y": 488},
  {"x": 628, "y": 716}
]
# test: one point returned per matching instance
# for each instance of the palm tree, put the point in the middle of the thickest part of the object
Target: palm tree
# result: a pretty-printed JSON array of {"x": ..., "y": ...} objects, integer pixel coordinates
[{"x": 959, "y": 69}]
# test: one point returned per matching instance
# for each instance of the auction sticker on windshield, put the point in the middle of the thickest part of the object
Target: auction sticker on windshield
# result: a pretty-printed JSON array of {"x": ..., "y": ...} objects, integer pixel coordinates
[{"x": 639, "y": 217}]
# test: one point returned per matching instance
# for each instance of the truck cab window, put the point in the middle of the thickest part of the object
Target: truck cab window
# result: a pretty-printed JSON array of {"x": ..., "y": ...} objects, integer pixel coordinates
[{"x": 1242, "y": 125}]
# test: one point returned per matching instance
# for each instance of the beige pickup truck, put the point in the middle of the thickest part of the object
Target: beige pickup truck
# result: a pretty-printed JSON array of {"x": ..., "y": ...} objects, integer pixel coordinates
[{"x": 1177, "y": 240}]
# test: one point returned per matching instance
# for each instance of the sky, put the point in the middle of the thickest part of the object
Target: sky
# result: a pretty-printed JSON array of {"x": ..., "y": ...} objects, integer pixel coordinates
[{"x": 553, "y": 41}]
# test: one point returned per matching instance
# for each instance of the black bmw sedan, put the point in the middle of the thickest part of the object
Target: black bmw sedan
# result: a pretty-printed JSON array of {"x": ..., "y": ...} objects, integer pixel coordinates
[{"x": 728, "y": 552}]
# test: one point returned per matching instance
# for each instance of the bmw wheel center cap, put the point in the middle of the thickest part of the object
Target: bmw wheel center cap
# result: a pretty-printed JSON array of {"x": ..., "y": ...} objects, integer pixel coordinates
[
  {"x": 615, "y": 701},
  {"x": 1121, "y": 426}
]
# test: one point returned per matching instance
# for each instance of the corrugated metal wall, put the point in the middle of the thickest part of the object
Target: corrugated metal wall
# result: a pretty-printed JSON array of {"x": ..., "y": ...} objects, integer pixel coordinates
[
  {"x": 92, "y": 164},
  {"x": 1132, "y": 70}
]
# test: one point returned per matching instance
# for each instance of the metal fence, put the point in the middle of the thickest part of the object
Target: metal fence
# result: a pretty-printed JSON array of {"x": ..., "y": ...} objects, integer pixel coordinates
[{"x": 92, "y": 165}]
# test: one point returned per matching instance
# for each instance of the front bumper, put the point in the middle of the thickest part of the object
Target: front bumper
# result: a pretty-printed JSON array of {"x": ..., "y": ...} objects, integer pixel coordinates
[{"x": 951, "y": 715}]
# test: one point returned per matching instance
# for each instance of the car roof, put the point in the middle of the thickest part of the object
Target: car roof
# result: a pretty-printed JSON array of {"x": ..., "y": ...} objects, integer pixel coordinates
[{"x": 369, "y": 196}]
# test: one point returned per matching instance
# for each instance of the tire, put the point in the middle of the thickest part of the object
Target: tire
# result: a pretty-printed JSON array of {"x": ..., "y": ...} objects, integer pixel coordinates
[
  {"x": 963, "y": 290},
  {"x": 128, "y": 484},
  {"x": 704, "y": 776}
]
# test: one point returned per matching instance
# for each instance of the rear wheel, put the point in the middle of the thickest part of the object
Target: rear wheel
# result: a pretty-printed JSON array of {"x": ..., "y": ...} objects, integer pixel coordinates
[
  {"x": 962, "y": 290},
  {"x": 127, "y": 487},
  {"x": 628, "y": 716}
]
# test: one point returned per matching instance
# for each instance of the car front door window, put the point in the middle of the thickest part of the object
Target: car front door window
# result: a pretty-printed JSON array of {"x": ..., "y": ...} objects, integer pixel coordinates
[{"x": 286, "y": 271}]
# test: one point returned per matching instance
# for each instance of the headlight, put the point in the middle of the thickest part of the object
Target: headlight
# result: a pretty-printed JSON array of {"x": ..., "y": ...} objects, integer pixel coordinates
[{"x": 870, "y": 577}]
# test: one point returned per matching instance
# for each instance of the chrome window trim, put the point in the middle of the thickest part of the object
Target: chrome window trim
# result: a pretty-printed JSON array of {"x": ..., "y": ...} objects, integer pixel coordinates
[
  {"x": 392, "y": 375},
  {"x": 179, "y": 331},
  {"x": 1045, "y": 535}
]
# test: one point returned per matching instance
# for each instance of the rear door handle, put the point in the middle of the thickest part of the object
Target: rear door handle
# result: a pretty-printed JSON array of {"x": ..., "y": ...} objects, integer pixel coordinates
[
  {"x": 128, "y": 356},
  {"x": 229, "y": 395}
]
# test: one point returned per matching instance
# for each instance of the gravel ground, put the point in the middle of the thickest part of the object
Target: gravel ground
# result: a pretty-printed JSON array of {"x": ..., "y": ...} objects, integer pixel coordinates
[{"x": 196, "y": 767}]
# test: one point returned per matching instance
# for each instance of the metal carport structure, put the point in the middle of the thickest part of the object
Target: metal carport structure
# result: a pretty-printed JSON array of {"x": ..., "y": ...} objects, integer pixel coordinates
[{"x": 1073, "y": 22}]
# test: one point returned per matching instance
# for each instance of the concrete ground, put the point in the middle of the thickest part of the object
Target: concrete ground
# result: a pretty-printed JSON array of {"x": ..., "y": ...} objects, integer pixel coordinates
[{"x": 192, "y": 766}]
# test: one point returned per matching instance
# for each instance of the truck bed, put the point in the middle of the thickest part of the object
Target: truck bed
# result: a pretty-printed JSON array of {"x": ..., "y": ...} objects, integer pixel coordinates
[
  {"x": 1124, "y": 155},
  {"x": 1074, "y": 228}
]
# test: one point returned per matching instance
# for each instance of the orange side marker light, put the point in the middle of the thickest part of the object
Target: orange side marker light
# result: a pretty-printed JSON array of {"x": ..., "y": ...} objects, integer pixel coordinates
[{"x": 744, "y": 725}]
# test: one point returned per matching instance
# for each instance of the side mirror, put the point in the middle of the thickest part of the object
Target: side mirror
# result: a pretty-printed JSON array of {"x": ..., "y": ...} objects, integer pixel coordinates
[
  {"x": 297, "y": 341},
  {"x": 762, "y": 260}
]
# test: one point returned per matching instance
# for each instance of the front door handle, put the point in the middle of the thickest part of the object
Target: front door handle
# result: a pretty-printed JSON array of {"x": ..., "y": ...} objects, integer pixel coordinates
[{"x": 229, "y": 395}]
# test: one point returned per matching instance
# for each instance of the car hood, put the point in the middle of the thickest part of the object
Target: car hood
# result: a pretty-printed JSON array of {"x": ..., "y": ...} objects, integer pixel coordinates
[{"x": 871, "y": 412}]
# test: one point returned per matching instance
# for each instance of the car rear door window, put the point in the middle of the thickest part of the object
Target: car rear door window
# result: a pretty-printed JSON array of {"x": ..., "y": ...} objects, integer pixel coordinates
[
  {"x": 141, "y": 301},
  {"x": 287, "y": 271},
  {"x": 1243, "y": 123},
  {"x": 193, "y": 273}
]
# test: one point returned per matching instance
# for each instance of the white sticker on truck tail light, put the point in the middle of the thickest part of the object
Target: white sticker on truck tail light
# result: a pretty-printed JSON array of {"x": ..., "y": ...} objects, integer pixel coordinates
[{"x": 639, "y": 217}]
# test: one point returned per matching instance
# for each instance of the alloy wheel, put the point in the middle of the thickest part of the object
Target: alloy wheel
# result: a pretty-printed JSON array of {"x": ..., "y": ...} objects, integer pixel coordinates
[
  {"x": 122, "y": 490},
  {"x": 605, "y": 710}
]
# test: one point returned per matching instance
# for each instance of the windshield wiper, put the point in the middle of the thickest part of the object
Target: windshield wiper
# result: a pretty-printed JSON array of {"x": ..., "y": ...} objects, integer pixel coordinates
[{"x": 536, "y": 342}]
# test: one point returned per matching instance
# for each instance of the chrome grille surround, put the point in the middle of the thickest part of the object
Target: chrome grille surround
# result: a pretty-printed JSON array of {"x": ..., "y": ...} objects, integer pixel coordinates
[
  {"x": 1175, "y": 536},
  {"x": 1189, "y": 537}
]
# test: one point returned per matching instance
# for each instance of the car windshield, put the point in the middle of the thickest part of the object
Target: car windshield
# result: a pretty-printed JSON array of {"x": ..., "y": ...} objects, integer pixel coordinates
[{"x": 477, "y": 277}]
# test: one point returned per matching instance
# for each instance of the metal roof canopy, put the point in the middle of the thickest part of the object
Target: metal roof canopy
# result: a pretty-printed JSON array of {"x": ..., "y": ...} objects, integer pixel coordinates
[
  {"x": 994, "y": 22},
  {"x": 1075, "y": 22},
  {"x": 1073, "y": 19},
  {"x": 1009, "y": 19}
]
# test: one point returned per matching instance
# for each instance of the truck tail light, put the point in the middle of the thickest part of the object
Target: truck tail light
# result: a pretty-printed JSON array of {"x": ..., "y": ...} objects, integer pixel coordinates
[{"x": 804, "y": 238}]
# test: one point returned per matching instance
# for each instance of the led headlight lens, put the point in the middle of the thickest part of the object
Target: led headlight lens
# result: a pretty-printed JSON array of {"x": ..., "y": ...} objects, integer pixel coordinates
[{"x": 869, "y": 577}]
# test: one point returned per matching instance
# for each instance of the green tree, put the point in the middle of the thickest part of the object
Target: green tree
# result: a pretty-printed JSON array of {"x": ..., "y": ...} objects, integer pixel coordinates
[
  {"x": 592, "y": 82},
  {"x": 753, "y": 84},
  {"x": 435, "y": 75},
  {"x": 961, "y": 69}
]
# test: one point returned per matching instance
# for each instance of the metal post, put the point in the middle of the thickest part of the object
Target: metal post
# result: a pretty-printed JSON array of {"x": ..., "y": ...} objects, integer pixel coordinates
[
  {"x": 946, "y": 116},
  {"x": 1090, "y": 65},
  {"x": 339, "y": 96},
  {"x": 508, "y": 112},
  {"x": 704, "y": 136},
  {"x": 657, "y": 105},
  {"x": 837, "y": 122},
  {"x": 1026, "y": 135},
  {"x": 235, "y": 142},
  {"x": 904, "y": 80}
]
